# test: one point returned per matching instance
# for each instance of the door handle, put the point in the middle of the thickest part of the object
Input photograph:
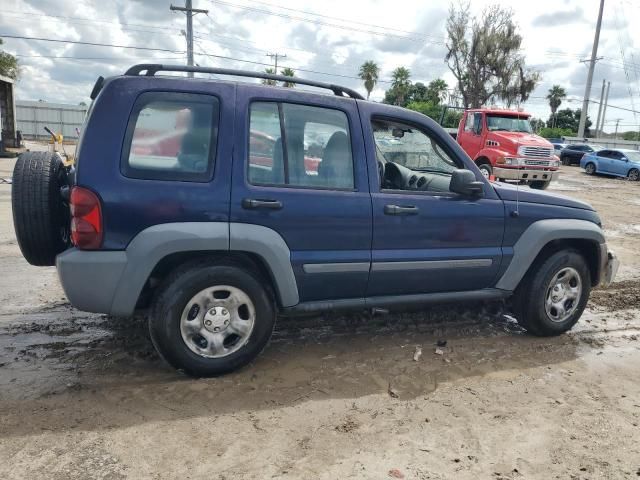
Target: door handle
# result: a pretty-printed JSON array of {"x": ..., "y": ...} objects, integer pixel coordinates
[
  {"x": 400, "y": 210},
  {"x": 253, "y": 204}
]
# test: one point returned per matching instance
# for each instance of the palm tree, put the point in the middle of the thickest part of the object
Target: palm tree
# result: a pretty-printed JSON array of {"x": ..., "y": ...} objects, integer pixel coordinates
[
  {"x": 369, "y": 72},
  {"x": 400, "y": 83},
  {"x": 266, "y": 81},
  {"x": 555, "y": 97},
  {"x": 288, "y": 72}
]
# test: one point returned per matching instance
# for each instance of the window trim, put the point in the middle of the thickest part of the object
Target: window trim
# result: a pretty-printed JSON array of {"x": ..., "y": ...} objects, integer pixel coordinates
[
  {"x": 279, "y": 103},
  {"x": 423, "y": 129},
  {"x": 148, "y": 97}
]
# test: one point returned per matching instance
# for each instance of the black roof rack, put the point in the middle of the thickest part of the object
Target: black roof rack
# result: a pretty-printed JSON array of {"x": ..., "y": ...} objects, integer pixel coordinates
[{"x": 151, "y": 69}]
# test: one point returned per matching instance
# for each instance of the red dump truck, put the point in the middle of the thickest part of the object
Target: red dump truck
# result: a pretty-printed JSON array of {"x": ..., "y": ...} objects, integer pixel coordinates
[{"x": 503, "y": 145}]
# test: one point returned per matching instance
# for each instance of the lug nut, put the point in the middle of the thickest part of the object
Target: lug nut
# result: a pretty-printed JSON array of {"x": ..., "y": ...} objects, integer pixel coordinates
[
  {"x": 208, "y": 323},
  {"x": 216, "y": 329},
  {"x": 224, "y": 312}
]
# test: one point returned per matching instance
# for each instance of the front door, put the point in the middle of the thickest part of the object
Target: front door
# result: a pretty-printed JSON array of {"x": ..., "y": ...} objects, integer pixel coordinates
[
  {"x": 300, "y": 170},
  {"x": 425, "y": 238}
]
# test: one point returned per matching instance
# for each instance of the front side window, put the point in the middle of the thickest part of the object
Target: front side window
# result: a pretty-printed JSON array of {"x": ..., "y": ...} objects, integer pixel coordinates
[
  {"x": 423, "y": 163},
  {"x": 171, "y": 136},
  {"x": 508, "y": 123},
  {"x": 312, "y": 148}
]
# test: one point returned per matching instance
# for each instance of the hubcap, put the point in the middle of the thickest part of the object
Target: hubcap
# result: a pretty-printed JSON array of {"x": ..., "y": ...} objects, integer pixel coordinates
[
  {"x": 563, "y": 294},
  {"x": 485, "y": 172},
  {"x": 633, "y": 175},
  {"x": 217, "y": 321}
]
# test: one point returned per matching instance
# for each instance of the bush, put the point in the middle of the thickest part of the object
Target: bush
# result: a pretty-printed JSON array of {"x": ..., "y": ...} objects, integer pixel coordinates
[{"x": 556, "y": 132}]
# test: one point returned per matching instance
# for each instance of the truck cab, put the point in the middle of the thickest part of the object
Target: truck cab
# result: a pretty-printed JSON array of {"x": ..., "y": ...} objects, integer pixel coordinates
[{"x": 502, "y": 144}]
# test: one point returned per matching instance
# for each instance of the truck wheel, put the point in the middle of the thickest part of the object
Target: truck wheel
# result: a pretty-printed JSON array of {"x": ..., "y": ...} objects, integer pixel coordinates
[
  {"x": 40, "y": 215},
  {"x": 590, "y": 168},
  {"x": 211, "y": 318},
  {"x": 553, "y": 294},
  {"x": 539, "y": 185},
  {"x": 486, "y": 170},
  {"x": 633, "y": 175}
]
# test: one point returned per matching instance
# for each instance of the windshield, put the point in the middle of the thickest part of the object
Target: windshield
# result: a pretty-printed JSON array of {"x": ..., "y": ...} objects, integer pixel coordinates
[
  {"x": 508, "y": 123},
  {"x": 633, "y": 156}
]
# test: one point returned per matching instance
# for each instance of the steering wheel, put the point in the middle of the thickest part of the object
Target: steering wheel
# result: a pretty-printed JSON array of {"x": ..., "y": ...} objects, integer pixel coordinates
[{"x": 381, "y": 170}]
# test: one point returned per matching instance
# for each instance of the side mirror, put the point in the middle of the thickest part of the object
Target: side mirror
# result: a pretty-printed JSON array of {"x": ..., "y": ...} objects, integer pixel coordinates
[{"x": 464, "y": 183}]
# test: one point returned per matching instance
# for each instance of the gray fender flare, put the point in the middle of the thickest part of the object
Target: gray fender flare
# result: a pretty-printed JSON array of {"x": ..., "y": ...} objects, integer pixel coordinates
[
  {"x": 156, "y": 242},
  {"x": 536, "y": 236}
]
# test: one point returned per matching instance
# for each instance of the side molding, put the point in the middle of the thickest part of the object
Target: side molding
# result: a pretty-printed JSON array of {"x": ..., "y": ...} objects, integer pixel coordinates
[
  {"x": 536, "y": 236},
  {"x": 272, "y": 248},
  {"x": 153, "y": 244}
]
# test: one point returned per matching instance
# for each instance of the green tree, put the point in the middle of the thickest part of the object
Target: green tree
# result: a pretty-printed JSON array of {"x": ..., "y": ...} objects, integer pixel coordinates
[
  {"x": 400, "y": 83},
  {"x": 288, "y": 72},
  {"x": 369, "y": 72},
  {"x": 630, "y": 135},
  {"x": 437, "y": 91},
  {"x": 568, "y": 119},
  {"x": 8, "y": 64},
  {"x": 484, "y": 56},
  {"x": 266, "y": 81},
  {"x": 417, "y": 93},
  {"x": 537, "y": 124},
  {"x": 555, "y": 132},
  {"x": 555, "y": 96}
]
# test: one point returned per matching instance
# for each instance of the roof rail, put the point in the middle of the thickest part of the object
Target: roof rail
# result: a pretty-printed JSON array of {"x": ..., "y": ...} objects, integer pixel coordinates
[{"x": 151, "y": 69}]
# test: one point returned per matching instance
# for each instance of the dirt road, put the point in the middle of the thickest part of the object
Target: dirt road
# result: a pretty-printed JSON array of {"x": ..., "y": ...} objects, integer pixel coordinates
[{"x": 84, "y": 396}]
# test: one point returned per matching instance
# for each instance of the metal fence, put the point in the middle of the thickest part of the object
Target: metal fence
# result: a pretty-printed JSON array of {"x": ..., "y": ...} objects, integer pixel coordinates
[
  {"x": 606, "y": 142},
  {"x": 32, "y": 117}
]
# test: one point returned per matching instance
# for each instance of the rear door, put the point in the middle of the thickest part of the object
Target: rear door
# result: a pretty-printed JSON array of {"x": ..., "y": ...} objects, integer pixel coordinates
[
  {"x": 425, "y": 238},
  {"x": 299, "y": 168}
]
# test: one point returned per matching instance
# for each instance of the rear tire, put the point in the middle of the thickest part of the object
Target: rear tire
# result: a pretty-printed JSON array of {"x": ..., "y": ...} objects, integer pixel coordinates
[
  {"x": 40, "y": 215},
  {"x": 184, "y": 304},
  {"x": 590, "y": 168},
  {"x": 544, "y": 302},
  {"x": 539, "y": 185}
]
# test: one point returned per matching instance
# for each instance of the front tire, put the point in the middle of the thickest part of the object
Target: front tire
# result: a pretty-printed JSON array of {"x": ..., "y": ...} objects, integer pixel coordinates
[
  {"x": 590, "y": 168},
  {"x": 539, "y": 185},
  {"x": 565, "y": 160},
  {"x": 553, "y": 294},
  {"x": 634, "y": 175},
  {"x": 486, "y": 170},
  {"x": 211, "y": 318}
]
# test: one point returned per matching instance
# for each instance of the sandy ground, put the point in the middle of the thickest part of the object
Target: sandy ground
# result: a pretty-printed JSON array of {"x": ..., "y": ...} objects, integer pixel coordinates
[{"x": 84, "y": 396}]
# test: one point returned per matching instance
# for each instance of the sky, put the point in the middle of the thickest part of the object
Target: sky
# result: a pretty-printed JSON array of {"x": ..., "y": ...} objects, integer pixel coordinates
[{"x": 322, "y": 40}]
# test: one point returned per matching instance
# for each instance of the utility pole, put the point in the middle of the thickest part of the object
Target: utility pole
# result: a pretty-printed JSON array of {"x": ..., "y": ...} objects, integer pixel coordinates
[
  {"x": 600, "y": 108},
  {"x": 615, "y": 135},
  {"x": 604, "y": 109},
  {"x": 276, "y": 56},
  {"x": 189, "y": 12},
  {"x": 592, "y": 64}
]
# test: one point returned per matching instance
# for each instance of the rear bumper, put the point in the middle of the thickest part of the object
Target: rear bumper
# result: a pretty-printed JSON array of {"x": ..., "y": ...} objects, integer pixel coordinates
[
  {"x": 526, "y": 174},
  {"x": 90, "y": 279},
  {"x": 609, "y": 265}
]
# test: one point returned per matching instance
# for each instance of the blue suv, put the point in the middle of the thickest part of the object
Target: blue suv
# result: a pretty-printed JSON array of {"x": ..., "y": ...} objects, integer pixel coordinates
[{"x": 218, "y": 205}]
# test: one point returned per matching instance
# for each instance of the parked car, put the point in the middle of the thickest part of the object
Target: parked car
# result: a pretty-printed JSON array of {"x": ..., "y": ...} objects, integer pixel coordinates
[
  {"x": 618, "y": 162},
  {"x": 558, "y": 147},
  {"x": 396, "y": 215},
  {"x": 572, "y": 154}
]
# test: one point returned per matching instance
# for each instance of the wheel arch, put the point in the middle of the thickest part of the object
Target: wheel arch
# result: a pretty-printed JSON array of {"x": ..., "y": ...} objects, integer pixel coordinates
[{"x": 545, "y": 237}]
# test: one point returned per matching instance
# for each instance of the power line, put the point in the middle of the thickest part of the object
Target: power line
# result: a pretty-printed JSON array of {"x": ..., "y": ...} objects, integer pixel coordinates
[
  {"x": 420, "y": 38},
  {"x": 93, "y": 44}
]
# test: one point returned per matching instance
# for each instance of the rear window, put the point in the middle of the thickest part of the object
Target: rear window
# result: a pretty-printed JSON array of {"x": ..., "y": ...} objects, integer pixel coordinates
[{"x": 171, "y": 136}]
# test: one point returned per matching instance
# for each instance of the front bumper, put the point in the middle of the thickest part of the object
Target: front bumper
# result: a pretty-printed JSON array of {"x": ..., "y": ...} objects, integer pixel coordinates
[
  {"x": 609, "y": 265},
  {"x": 526, "y": 174}
]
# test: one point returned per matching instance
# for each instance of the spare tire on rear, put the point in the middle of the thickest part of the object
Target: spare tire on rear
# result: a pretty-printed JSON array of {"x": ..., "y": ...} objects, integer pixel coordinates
[{"x": 40, "y": 214}]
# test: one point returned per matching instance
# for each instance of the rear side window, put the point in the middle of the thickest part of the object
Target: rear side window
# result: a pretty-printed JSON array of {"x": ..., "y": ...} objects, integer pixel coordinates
[
  {"x": 299, "y": 146},
  {"x": 171, "y": 136}
]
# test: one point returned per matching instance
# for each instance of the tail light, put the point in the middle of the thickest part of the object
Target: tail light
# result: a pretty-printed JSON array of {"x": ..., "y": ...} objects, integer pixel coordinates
[{"x": 86, "y": 219}]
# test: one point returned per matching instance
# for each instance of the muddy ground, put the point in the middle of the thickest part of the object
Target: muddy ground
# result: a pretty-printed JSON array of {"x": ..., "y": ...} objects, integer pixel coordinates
[{"x": 84, "y": 396}]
